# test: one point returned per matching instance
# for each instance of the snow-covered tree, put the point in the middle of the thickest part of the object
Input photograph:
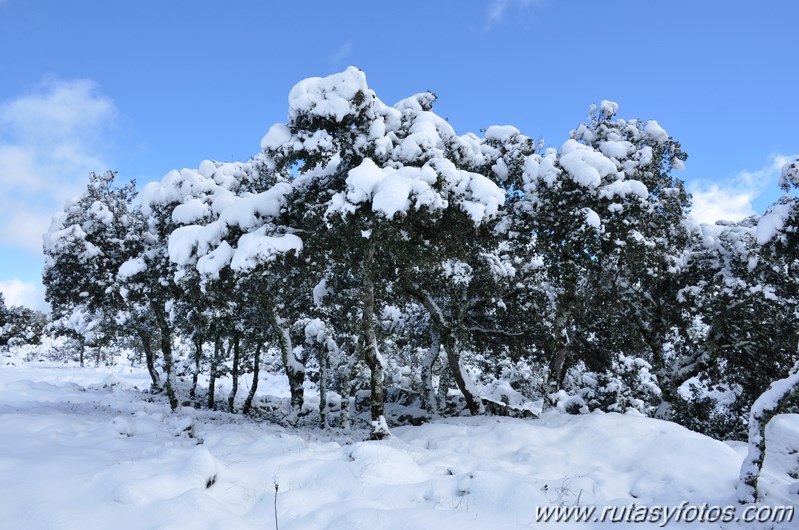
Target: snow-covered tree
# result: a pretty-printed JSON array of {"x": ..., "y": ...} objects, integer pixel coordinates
[
  {"x": 746, "y": 303},
  {"x": 465, "y": 269},
  {"x": 148, "y": 277},
  {"x": 644, "y": 240},
  {"x": 368, "y": 236},
  {"x": 20, "y": 325},
  {"x": 84, "y": 248},
  {"x": 745, "y": 290},
  {"x": 224, "y": 238},
  {"x": 778, "y": 228},
  {"x": 371, "y": 191},
  {"x": 4, "y": 321},
  {"x": 606, "y": 218}
]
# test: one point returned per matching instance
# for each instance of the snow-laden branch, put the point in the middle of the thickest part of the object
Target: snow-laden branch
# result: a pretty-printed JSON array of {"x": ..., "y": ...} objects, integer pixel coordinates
[{"x": 768, "y": 405}]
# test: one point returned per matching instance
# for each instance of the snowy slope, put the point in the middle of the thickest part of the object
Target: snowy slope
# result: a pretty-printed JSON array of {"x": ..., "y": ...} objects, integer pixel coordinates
[{"x": 84, "y": 449}]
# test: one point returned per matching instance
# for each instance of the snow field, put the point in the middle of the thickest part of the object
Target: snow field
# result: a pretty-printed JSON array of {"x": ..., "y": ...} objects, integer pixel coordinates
[{"x": 85, "y": 449}]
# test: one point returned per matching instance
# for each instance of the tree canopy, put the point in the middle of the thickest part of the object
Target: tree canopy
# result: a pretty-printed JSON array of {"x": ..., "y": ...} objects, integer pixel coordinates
[{"x": 382, "y": 254}]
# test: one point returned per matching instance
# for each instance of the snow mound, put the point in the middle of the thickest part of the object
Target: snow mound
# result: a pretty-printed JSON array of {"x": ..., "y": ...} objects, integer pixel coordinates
[
  {"x": 82, "y": 450},
  {"x": 645, "y": 454},
  {"x": 328, "y": 97},
  {"x": 779, "y": 480},
  {"x": 586, "y": 166},
  {"x": 773, "y": 222}
]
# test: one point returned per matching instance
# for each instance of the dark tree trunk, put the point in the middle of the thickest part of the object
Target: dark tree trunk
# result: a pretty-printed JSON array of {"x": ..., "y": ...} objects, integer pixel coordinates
[
  {"x": 323, "y": 377},
  {"x": 445, "y": 378},
  {"x": 231, "y": 400},
  {"x": 166, "y": 351},
  {"x": 654, "y": 335},
  {"x": 559, "y": 346},
  {"x": 465, "y": 384},
  {"x": 198, "y": 355},
  {"x": 346, "y": 375},
  {"x": 448, "y": 339},
  {"x": 213, "y": 371},
  {"x": 295, "y": 371},
  {"x": 256, "y": 367},
  {"x": 428, "y": 396},
  {"x": 369, "y": 347},
  {"x": 149, "y": 357},
  {"x": 556, "y": 364}
]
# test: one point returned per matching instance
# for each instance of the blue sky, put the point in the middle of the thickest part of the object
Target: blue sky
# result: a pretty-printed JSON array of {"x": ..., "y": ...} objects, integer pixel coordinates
[{"x": 144, "y": 87}]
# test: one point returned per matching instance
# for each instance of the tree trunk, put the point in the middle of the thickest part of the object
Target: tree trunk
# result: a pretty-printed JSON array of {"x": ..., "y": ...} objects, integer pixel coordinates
[
  {"x": 451, "y": 348},
  {"x": 213, "y": 371},
  {"x": 323, "y": 368},
  {"x": 444, "y": 381},
  {"x": 149, "y": 356},
  {"x": 369, "y": 346},
  {"x": 295, "y": 370},
  {"x": 346, "y": 380},
  {"x": 256, "y": 367},
  {"x": 428, "y": 395},
  {"x": 234, "y": 373},
  {"x": 82, "y": 348},
  {"x": 166, "y": 351},
  {"x": 462, "y": 379},
  {"x": 198, "y": 355},
  {"x": 559, "y": 347},
  {"x": 556, "y": 364}
]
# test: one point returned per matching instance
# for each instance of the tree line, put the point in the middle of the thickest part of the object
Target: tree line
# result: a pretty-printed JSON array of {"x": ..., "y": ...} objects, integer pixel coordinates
[{"x": 376, "y": 248}]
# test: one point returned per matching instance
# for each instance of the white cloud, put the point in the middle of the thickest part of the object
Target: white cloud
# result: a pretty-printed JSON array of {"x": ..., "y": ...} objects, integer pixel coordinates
[
  {"x": 732, "y": 201},
  {"x": 17, "y": 292},
  {"x": 18, "y": 169},
  {"x": 61, "y": 110},
  {"x": 49, "y": 141},
  {"x": 497, "y": 9},
  {"x": 715, "y": 204}
]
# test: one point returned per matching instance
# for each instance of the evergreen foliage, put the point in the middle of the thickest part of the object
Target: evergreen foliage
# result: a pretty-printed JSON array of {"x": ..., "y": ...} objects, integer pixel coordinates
[{"x": 378, "y": 254}]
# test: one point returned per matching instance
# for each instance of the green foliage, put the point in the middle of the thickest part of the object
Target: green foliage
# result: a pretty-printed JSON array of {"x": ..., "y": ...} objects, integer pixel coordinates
[
  {"x": 747, "y": 302},
  {"x": 627, "y": 383},
  {"x": 20, "y": 326},
  {"x": 84, "y": 249},
  {"x": 703, "y": 413},
  {"x": 586, "y": 284}
]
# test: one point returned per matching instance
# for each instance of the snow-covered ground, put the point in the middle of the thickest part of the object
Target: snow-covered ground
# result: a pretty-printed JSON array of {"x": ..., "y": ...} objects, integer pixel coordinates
[{"x": 84, "y": 449}]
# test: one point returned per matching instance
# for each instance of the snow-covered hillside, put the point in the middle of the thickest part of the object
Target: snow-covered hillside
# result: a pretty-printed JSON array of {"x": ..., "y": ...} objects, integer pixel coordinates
[{"x": 84, "y": 448}]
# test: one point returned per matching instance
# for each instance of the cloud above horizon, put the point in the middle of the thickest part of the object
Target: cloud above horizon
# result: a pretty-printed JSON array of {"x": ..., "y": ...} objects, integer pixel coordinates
[
  {"x": 50, "y": 139},
  {"x": 28, "y": 294},
  {"x": 732, "y": 201}
]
